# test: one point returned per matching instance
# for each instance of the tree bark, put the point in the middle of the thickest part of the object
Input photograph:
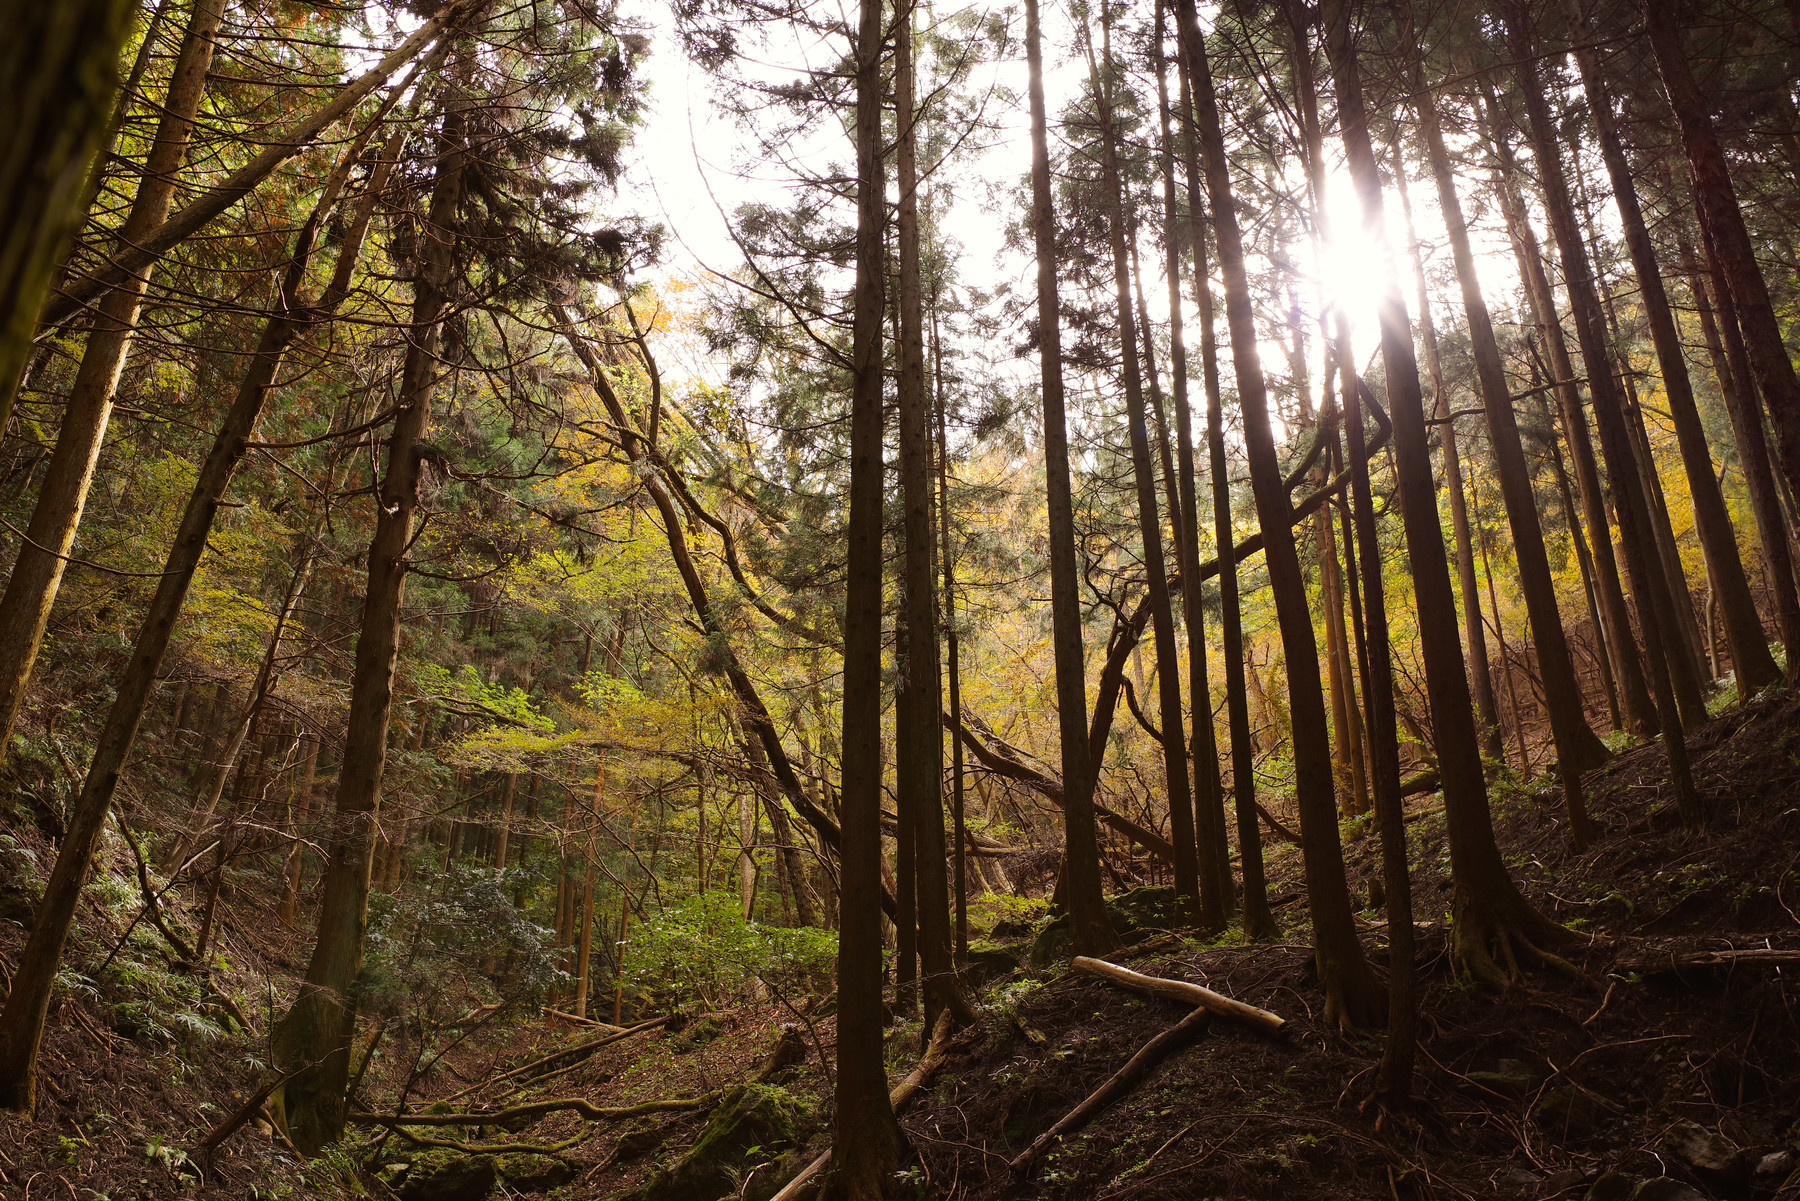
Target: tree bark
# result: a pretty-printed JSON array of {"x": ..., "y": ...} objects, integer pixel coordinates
[
  {"x": 1487, "y": 907},
  {"x": 37, "y": 573},
  {"x": 61, "y": 64},
  {"x": 1578, "y": 749},
  {"x": 1629, "y": 499},
  {"x": 866, "y": 1141},
  {"x": 1150, "y": 526},
  {"x": 1717, "y": 201},
  {"x": 1090, "y": 925},
  {"x": 1750, "y": 657},
  {"x": 1352, "y": 998},
  {"x": 313, "y": 1038}
]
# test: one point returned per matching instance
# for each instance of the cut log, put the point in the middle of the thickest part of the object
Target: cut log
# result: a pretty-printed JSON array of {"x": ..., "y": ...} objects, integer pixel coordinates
[
  {"x": 1117, "y": 1085},
  {"x": 935, "y": 1053},
  {"x": 1675, "y": 961},
  {"x": 1187, "y": 994}
]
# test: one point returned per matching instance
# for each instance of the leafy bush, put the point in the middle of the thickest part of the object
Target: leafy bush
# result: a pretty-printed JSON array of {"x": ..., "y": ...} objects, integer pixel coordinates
[{"x": 704, "y": 947}]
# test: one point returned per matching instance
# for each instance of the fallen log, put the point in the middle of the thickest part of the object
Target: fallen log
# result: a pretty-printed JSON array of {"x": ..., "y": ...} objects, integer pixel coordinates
[
  {"x": 1117, "y": 1085},
  {"x": 1187, "y": 994},
  {"x": 1675, "y": 961},
  {"x": 579, "y": 1050},
  {"x": 534, "y": 1109},
  {"x": 936, "y": 1051}
]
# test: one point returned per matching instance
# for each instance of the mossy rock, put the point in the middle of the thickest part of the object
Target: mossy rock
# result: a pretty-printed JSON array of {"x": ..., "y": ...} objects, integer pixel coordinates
[
  {"x": 1054, "y": 944},
  {"x": 753, "y": 1123},
  {"x": 988, "y": 965},
  {"x": 697, "y": 1033},
  {"x": 445, "y": 1175},
  {"x": 525, "y": 1172}
]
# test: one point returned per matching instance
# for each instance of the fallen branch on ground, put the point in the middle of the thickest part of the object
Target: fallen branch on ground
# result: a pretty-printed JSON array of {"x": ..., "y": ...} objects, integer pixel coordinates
[
  {"x": 535, "y": 1109},
  {"x": 1675, "y": 961},
  {"x": 579, "y": 1050},
  {"x": 1181, "y": 990},
  {"x": 935, "y": 1053},
  {"x": 1118, "y": 1084}
]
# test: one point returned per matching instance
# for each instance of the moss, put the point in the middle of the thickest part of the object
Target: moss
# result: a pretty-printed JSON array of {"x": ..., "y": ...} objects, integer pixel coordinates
[{"x": 751, "y": 1126}]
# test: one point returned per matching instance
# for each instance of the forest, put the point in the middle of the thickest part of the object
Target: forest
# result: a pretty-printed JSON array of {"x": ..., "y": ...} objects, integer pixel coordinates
[{"x": 759, "y": 599}]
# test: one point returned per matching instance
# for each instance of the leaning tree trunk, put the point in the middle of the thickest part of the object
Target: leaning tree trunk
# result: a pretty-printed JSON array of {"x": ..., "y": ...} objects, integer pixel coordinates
[
  {"x": 21, "y": 1029},
  {"x": 1629, "y": 499},
  {"x": 1717, "y": 201},
  {"x": 60, "y": 62},
  {"x": 1750, "y": 658},
  {"x": 866, "y": 1140},
  {"x": 1488, "y": 909},
  {"x": 1089, "y": 924},
  {"x": 43, "y": 553},
  {"x": 312, "y": 1040},
  {"x": 1578, "y": 749},
  {"x": 1352, "y": 997}
]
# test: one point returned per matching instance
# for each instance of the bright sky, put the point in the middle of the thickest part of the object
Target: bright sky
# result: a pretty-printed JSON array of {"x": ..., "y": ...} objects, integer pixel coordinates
[{"x": 692, "y": 163}]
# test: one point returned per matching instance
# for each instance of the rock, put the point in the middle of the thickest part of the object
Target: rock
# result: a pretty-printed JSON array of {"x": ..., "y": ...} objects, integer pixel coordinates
[
  {"x": 530, "y": 1173},
  {"x": 1701, "y": 1149},
  {"x": 1666, "y": 1188},
  {"x": 751, "y": 1126},
  {"x": 1005, "y": 930},
  {"x": 445, "y": 1175},
  {"x": 1612, "y": 1186},
  {"x": 1510, "y": 1078},
  {"x": 1054, "y": 944},
  {"x": 1775, "y": 1163},
  {"x": 789, "y": 1050},
  {"x": 1573, "y": 1110}
]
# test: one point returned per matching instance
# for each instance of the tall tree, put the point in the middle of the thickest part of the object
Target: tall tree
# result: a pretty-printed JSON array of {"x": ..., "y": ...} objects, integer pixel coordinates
[
  {"x": 1090, "y": 925},
  {"x": 866, "y": 1140},
  {"x": 1352, "y": 998},
  {"x": 1489, "y": 910}
]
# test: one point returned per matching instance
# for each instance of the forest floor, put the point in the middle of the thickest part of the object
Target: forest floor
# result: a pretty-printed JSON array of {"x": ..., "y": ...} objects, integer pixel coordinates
[{"x": 1628, "y": 1080}]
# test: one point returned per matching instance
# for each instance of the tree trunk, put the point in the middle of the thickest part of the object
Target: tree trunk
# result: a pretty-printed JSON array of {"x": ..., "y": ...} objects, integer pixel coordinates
[
  {"x": 29, "y": 997},
  {"x": 1150, "y": 525},
  {"x": 61, "y": 66},
  {"x": 1089, "y": 923},
  {"x": 1750, "y": 657},
  {"x": 313, "y": 1039},
  {"x": 300, "y": 811},
  {"x": 1629, "y": 499},
  {"x": 1634, "y": 695},
  {"x": 1481, "y": 676},
  {"x": 1488, "y": 909},
  {"x": 1352, "y": 998},
  {"x": 43, "y": 553},
  {"x": 1578, "y": 749},
  {"x": 1737, "y": 384},
  {"x": 1259, "y": 921},
  {"x": 1217, "y": 901},
  {"x": 1716, "y": 199},
  {"x": 960, "y": 832},
  {"x": 866, "y": 1140}
]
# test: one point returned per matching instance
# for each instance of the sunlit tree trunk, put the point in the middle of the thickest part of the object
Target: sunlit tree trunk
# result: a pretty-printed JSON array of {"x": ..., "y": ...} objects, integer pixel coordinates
[
  {"x": 1352, "y": 997},
  {"x": 952, "y": 653},
  {"x": 43, "y": 554}
]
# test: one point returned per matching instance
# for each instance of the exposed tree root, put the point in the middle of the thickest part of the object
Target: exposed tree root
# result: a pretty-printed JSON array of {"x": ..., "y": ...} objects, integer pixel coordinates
[{"x": 1497, "y": 947}]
